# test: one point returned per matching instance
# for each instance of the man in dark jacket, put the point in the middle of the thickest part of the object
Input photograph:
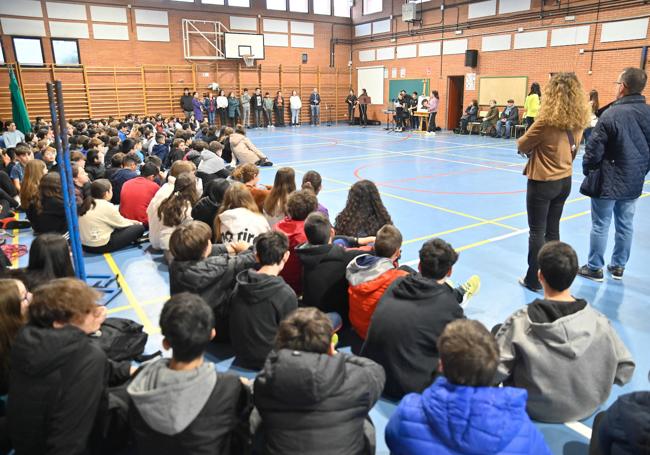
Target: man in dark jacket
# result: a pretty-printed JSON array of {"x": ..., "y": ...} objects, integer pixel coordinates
[
  {"x": 119, "y": 178},
  {"x": 257, "y": 106},
  {"x": 182, "y": 405},
  {"x": 186, "y": 104},
  {"x": 260, "y": 301},
  {"x": 408, "y": 320},
  {"x": 58, "y": 374},
  {"x": 324, "y": 284},
  {"x": 207, "y": 270},
  {"x": 509, "y": 118},
  {"x": 623, "y": 429},
  {"x": 311, "y": 398},
  {"x": 314, "y": 105},
  {"x": 618, "y": 155}
]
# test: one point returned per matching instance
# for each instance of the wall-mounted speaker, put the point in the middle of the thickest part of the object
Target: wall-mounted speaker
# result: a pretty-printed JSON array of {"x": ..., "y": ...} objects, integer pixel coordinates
[
  {"x": 471, "y": 58},
  {"x": 304, "y": 58}
]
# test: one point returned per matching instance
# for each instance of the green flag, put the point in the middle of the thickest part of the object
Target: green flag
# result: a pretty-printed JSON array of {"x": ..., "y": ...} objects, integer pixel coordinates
[{"x": 18, "y": 109}]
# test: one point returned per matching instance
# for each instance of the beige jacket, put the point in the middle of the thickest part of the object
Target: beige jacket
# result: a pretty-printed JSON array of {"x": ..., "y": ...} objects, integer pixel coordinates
[
  {"x": 244, "y": 150},
  {"x": 97, "y": 225}
]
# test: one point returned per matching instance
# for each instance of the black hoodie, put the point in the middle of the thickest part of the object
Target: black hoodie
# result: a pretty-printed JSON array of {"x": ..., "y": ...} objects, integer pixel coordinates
[
  {"x": 624, "y": 428},
  {"x": 258, "y": 304},
  {"x": 56, "y": 383},
  {"x": 316, "y": 403},
  {"x": 324, "y": 284},
  {"x": 213, "y": 278},
  {"x": 404, "y": 330}
]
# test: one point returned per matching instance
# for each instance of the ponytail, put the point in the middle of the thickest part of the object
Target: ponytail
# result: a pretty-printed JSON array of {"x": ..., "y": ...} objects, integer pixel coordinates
[{"x": 98, "y": 190}]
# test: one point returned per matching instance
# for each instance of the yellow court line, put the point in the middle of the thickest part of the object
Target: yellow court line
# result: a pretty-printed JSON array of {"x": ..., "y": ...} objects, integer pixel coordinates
[
  {"x": 142, "y": 303},
  {"x": 144, "y": 319},
  {"x": 15, "y": 241}
]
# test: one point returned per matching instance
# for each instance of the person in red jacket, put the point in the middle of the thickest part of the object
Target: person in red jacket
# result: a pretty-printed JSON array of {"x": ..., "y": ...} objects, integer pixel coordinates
[
  {"x": 299, "y": 205},
  {"x": 137, "y": 194},
  {"x": 370, "y": 275}
]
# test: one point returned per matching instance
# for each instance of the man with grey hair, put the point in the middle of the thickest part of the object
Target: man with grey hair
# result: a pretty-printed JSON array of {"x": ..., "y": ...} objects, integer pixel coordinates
[
  {"x": 314, "y": 104},
  {"x": 616, "y": 161}
]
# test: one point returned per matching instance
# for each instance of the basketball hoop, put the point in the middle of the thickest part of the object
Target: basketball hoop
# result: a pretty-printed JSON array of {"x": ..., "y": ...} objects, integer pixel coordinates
[{"x": 249, "y": 60}]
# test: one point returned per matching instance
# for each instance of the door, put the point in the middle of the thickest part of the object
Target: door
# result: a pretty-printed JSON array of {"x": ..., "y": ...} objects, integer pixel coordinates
[{"x": 455, "y": 97}]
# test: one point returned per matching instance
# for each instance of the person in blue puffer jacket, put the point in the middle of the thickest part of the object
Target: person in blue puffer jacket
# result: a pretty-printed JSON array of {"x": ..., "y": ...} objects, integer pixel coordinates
[{"x": 459, "y": 413}]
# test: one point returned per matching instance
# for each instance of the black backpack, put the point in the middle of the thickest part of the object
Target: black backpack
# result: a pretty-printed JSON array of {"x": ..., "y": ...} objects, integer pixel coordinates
[{"x": 122, "y": 339}]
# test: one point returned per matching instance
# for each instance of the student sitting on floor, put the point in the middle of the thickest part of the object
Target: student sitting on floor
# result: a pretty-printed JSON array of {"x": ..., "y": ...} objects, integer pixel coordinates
[
  {"x": 166, "y": 190},
  {"x": 182, "y": 405},
  {"x": 208, "y": 206},
  {"x": 312, "y": 398},
  {"x": 101, "y": 227},
  {"x": 212, "y": 165},
  {"x": 58, "y": 373},
  {"x": 177, "y": 209},
  {"x": 120, "y": 177},
  {"x": 115, "y": 165},
  {"x": 410, "y": 317},
  {"x": 206, "y": 269},
  {"x": 47, "y": 212},
  {"x": 364, "y": 212},
  {"x": 624, "y": 428},
  {"x": 559, "y": 341},
  {"x": 275, "y": 206},
  {"x": 23, "y": 156},
  {"x": 14, "y": 306},
  {"x": 299, "y": 206},
  {"x": 312, "y": 181},
  {"x": 370, "y": 275},
  {"x": 260, "y": 301},
  {"x": 244, "y": 150},
  {"x": 239, "y": 219},
  {"x": 324, "y": 283},
  {"x": 249, "y": 175},
  {"x": 138, "y": 192},
  {"x": 460, "y": 413},
  {"x": 95, "y": 165}
]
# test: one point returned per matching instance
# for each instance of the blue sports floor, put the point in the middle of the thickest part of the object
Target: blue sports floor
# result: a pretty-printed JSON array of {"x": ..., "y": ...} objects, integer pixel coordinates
[{"x": 467, "y": 189}]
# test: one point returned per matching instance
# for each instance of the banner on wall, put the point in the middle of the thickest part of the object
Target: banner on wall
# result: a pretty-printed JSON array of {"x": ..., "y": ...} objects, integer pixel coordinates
[{"x": 470, "y": 81}]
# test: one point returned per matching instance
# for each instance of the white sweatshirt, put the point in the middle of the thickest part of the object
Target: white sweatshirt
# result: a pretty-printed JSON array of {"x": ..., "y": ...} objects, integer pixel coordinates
[{"x": 241, "y": 225}]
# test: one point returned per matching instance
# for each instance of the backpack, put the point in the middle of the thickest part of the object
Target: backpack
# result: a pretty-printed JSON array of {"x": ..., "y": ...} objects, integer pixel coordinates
[{"x": 122, "y": 339}]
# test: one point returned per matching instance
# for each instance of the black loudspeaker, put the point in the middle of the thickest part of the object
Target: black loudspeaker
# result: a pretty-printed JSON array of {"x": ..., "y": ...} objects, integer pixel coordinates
[
  {"x": 304, "y": 58},
  {"x": 471, "y": 58}
]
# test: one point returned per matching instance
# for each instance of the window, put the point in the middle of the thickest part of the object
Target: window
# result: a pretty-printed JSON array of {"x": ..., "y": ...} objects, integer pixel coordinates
[
  {"x": 28, "y": 51},
  {"x": 299, "y": 6},
  {"x": 278, "y": 5},
  {"x": 213, "y": 2},
  {"x": 372, "y": 6},
  {"x": 65, "y": 51},
  {"x": 242, "y": 3},
  {"x": 342, "y": 8},
  {"x": 323, "y": 7}
]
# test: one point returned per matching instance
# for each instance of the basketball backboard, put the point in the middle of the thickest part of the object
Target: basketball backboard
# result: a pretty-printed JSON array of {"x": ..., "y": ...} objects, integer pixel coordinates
[{"x": 240, "y": 44}]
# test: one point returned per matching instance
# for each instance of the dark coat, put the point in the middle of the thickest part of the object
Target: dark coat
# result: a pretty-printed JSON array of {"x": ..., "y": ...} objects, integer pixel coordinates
[
  {"x": 186, "y": 103},
  {"x": 259, "y": 303},
  {"x": 404, "y": 331},
  {"x": 620, "y": 147},
  {"x": 213, "y": 278},
  {"x": 324, "y": 284},
  {"x": 624, "y": 428},
  {"x": 95, "y": 171},
  {"x": 51, "y": 218},
  {"x": 56, "y": 384},
  {"x": 219, "y": 429},
  {"x": 316, "y": 403},
  {"x": 118, "y": 180}
]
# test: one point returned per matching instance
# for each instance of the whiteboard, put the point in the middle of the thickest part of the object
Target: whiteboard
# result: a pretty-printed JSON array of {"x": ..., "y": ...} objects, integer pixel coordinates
[
  {"x": 501, "y": 89},
  {"x": 238, "y": 44},
  {"x": 624, "y": 30},
  {"x": 372, "y": 79}
]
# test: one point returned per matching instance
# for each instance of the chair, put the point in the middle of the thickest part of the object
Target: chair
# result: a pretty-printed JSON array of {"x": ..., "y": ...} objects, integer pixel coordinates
[
  {"x": 471, "y": 126},
  {"x": 518, "y": 128}
]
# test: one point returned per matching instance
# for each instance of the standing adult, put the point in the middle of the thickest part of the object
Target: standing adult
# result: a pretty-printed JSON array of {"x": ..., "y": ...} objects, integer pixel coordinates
[
  {"x": 363, "y": 102},
  {"x": 595, "y": 107},
  {"x": 551, "y": 145},
  {"x": 257, "y": 104},
  {"x": 246, "y": 108},
  {"x": 197, "y": 107},
  {"x": 186, "y": 104},
  {"x": 351, "y": 101},
  {"x": 433, "y": 111},
  {"x": 222, "y": 107},
  {"x": 295, "y": 104},
  {"x": 616, "y": 161},
  {"x": 210, "y": 103},
  {"x": 314, "y": 104},
  {"x": 532, "y": 103},
  {"x": 278, "y": 108}
]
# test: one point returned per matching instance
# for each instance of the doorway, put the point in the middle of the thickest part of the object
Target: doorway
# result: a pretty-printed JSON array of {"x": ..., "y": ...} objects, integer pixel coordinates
[{"x": 455, "y": 98}]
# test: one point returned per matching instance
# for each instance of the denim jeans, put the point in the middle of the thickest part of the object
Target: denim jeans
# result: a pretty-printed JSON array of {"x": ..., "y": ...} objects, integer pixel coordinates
[
  {"x": 294, "y": 116},
  {"x": 246, "y": 115},
  {"x": 544, "y": 202},
  {"x": 315, "y": 114},
  {"x": 601, "y": 218},
  {"x": 259, "y": 118},
  {"x": 508, "y": 129},
  {"x": 211, "y": 116}
]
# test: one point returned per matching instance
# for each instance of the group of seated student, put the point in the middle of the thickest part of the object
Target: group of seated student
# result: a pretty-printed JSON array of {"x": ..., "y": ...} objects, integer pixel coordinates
[
  {"x": 493, "y": 123},
  {"x": 264, "y": 270}
]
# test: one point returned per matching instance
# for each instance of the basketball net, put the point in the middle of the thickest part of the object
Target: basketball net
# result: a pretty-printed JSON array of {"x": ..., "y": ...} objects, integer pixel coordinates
[{"x": 249, "y": 60}]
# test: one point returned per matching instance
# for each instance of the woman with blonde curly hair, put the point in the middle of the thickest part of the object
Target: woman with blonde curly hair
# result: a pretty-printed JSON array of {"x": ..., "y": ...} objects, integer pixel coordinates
[{"x": 550, "y": 145}]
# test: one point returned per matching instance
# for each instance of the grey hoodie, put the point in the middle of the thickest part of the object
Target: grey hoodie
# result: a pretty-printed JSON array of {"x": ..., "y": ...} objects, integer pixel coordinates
[
  {"x": 211, "y": 163},
  {"x": 567, "y": 355},
  {"x": 170, "y": 400}
]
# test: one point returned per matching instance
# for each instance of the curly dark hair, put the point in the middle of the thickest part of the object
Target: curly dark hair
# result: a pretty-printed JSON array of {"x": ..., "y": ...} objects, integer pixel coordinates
[{"x": 364, "y": 213}]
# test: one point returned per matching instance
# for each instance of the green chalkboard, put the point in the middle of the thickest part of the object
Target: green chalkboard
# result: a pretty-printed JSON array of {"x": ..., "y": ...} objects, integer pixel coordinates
[{"x": 410, "y": 85}]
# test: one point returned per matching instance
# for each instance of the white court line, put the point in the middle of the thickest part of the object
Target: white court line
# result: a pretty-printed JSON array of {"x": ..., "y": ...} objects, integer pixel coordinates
[{"x": 580, "y": 428}]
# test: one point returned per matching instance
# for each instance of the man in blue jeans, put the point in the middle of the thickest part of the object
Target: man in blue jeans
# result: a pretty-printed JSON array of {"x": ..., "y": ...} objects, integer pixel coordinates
[
  {"x": 509, "y": 118},
  {"x": 619, "y": 148},
  {"x": 314, "y": 104}
]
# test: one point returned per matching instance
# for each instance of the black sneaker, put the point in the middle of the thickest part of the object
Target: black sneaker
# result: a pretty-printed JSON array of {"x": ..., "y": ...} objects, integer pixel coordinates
[
  {"x": 616, "y": 272},
  {"x": 522, "y": 281},
  {"x": 594, "y": 275}
]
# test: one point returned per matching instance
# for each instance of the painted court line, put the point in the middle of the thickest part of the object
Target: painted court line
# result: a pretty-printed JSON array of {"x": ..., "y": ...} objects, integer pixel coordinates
[{"x": 580, "y": 428}]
